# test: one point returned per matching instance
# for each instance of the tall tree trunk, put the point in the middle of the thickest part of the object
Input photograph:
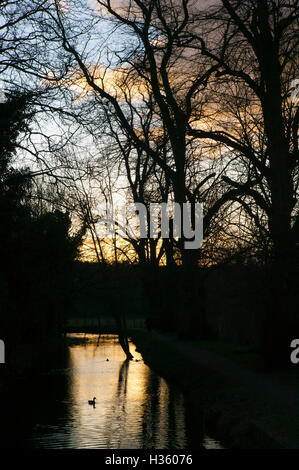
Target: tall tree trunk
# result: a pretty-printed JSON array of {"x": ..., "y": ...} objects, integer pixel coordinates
[
  {"x": 123, "y": 335},
  {"x": 280, "y": 320}
]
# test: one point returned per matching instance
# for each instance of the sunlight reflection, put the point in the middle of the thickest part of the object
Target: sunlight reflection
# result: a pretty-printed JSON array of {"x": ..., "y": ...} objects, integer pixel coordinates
[{"x": 128, "y": 396}]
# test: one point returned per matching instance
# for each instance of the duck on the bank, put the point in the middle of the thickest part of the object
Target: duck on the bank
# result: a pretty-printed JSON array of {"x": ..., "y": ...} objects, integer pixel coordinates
[{"x": 92, "y": 402}]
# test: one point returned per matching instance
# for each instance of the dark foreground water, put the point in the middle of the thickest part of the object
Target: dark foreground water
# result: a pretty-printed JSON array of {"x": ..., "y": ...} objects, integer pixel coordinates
[{"x": 135, "y": 408}]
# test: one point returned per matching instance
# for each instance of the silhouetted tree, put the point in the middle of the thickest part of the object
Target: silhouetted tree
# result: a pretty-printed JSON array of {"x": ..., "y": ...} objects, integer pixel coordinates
[
  {"x": 37, "y": 250},
  {"x": 257, "y": 53}
]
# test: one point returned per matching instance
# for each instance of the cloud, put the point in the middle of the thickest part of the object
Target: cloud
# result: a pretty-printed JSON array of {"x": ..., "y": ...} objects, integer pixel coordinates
[
  {"x": 130, "y": 10},
  {"x": 118, "y": 82},
  {"x": 62, "y": 5}
]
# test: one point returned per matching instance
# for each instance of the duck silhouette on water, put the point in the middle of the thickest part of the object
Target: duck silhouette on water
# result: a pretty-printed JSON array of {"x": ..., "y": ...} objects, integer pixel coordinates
[{"x": 92, "y": 402}]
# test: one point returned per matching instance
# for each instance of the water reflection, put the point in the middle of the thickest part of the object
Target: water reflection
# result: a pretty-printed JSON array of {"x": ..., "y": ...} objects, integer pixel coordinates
[{"x": 135, "y": 408}]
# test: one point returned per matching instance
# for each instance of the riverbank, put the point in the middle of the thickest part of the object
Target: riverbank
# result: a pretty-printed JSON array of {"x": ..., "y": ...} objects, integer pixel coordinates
[{"x": 244, "y": 408}]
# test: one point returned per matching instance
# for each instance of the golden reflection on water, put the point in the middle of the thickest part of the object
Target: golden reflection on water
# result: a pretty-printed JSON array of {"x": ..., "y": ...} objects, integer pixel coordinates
[
  {"x": 132, "y": 404},
  {"x": 135, "y": 408}
]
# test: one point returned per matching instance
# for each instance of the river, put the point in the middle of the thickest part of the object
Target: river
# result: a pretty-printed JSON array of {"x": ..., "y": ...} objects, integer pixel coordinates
[{"x": 134, "y": 408}]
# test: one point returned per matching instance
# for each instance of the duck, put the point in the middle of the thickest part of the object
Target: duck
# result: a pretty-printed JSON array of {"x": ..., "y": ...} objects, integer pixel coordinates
[{"x": 92, "y": 402}]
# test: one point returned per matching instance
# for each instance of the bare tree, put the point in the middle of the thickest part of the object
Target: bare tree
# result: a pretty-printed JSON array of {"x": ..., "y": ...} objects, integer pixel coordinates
[
  {"x": 257, "y": 55},
  {"x": 156, "y": 31}
]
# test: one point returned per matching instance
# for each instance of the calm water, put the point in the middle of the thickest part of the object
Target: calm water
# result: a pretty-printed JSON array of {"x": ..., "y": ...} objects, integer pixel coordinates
[{"x": 135, "y": 408}]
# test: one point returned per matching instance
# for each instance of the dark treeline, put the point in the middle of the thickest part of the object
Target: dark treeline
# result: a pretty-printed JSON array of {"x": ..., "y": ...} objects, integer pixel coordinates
[
  {"x": 232, "y": 298},
  {"x": 37, "y": 251}
]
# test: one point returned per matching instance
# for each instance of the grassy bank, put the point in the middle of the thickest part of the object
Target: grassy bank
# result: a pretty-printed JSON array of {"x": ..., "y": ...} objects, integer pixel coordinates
[{"x": 242, "y": 407}]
